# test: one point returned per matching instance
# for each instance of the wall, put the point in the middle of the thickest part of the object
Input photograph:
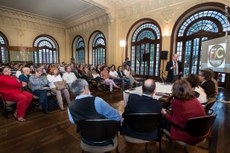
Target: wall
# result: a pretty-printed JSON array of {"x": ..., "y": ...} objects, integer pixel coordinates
[{"x": 22, "y": 28}]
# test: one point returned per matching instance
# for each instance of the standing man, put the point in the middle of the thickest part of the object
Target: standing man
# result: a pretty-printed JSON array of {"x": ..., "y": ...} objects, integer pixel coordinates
[{"x": 174, "y": 69}]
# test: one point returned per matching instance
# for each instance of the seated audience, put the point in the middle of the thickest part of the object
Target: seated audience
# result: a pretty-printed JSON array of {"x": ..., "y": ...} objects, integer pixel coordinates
[
  {"x": 213, "y": 80},
  {"x": 38, "y": 84},
  {"x": 53, "y": 77},
  {"x": 69, "y": 76},
  {"x": 10, "y": 87},
  {"x": 86, "y": 106},
  {"x": 199, "y": 91},
  {"x": 129, "y": 75},
  {"x": 122, "y": 75},
  {"x": 184, "y": 106},
  {"x": 206, "y": 83},
  {"x": 114, "y": 75},
  {"x": 142, "y": 104},
  {"x": 19, "y": 70},
  {"x": 25, "y": 78},
  {"x": 105, "y": 76}
]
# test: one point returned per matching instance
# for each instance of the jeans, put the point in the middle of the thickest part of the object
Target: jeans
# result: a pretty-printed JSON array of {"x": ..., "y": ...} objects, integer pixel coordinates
[{"x": 43, "y": 100}]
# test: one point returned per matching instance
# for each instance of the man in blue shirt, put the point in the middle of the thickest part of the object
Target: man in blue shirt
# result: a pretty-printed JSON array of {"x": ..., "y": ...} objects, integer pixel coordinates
[{"x": 86, "y": 106}]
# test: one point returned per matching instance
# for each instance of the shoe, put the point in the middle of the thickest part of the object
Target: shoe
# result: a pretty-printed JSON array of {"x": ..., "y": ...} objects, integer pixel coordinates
[
  {"x": 21, "y": 119},
  {"x": 45, "y": 112},
  {"x": 111, "y": 92}
]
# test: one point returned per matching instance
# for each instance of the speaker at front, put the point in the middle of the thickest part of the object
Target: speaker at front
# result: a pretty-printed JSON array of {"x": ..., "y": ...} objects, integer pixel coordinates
[{"x": 164, "y": 55}]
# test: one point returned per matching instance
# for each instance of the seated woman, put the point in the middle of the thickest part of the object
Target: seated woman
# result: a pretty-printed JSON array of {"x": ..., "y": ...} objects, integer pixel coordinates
[
  {"x": 184, "y": 106},
  {"x": 37, "y": 84},
  {"x": 53, "y": 77},
  {"x": 105, "y": 76},
  {"x": 24, "y": 77},
  {"x": 129, "y": 75},
  {"x": 10, "y": 87},
  {"x": 199, "y": 91}
]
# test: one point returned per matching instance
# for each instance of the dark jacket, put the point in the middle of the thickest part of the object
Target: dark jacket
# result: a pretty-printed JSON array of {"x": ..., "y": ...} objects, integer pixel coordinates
[
  {"x": 209, "y": 87},
  {"x": 170, "y": 71},
  {"x": 141, "y": 104}
]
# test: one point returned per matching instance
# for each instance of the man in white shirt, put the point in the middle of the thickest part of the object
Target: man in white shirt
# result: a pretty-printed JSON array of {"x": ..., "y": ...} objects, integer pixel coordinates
[{"x": 69, "y": 76}]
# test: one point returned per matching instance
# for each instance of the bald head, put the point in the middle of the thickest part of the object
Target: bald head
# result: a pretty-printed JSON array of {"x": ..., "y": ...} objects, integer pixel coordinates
[{"x": 149, "y": 87}]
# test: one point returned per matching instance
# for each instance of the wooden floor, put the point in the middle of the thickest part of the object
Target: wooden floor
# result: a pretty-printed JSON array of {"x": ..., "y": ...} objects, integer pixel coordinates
[{"x": 54, "y": 133}]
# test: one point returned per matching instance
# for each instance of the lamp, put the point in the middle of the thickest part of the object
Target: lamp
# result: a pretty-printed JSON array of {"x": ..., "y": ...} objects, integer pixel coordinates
[{"x": 122, "y": 44}]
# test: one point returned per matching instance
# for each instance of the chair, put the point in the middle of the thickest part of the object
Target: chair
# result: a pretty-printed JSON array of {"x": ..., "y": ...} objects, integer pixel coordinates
[
  {"x": 143, "y": 123},
  {"x": 7, "y": 105},
  {"x": 209, "y": 105},
  {"x": 198, "y": 127},
  {"x": 98, "y": 135}
]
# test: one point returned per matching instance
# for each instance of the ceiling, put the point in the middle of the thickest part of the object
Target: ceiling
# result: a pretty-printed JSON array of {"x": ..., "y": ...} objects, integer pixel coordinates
[{"x": 56, "y": 9}]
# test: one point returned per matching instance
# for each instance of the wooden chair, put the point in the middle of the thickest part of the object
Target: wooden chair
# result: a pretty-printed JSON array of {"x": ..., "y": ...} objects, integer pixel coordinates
[{"x": 7, "y": 105}]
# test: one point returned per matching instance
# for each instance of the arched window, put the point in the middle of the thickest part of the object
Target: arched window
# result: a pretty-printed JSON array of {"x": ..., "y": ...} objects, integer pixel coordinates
[
  {"x": 48, "y": 50},
  {"x": 145, "y": 50},
  {"x": 80, "y": 50},
  {"x": 4, "y": 54},
  {"x": 99, "y": 49},
  {"x": 196, "y": 28}
]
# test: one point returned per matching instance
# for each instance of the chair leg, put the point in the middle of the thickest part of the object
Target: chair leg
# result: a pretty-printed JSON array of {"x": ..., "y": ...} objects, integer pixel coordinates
[
  {"x": 160, "y": 146},
  {"x": 82, "y": 151},
  {"x": 146, "y": 148},
  {"x": 117, "y": 151},
  {"x": 185, "y": 150}
]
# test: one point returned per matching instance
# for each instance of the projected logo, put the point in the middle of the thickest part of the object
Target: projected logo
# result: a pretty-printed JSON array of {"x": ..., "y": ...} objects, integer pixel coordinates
[{"x": 216, "y": 55}]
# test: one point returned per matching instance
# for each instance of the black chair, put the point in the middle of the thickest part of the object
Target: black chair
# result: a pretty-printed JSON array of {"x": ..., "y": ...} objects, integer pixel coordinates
[
  {"x": 208, "y": 105},
  {"x": 143, "y": 123},
  {"x": 198, "y": 127},
  {"x": 98, "y": 135},
  {"x": 9, "y": 106}
]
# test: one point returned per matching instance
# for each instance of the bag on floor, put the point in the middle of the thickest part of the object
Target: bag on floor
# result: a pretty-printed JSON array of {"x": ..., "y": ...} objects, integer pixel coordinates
[{"x": 52, "y": 103}]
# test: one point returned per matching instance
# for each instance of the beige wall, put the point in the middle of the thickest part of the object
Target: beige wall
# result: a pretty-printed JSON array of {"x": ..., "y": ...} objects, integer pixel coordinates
[{"x": 21, "y": 30}]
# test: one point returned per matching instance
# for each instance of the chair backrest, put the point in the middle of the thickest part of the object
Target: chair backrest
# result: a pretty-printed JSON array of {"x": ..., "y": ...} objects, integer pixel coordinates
[
  {"x": 199, "y": 126},
  {"x": 209, "y": 104},
  {"x": 143, "y": 122},
  {"x": 98, "y": 129}
]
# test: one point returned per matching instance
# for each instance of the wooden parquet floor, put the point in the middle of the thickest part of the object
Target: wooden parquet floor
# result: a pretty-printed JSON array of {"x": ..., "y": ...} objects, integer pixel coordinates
[{"x": 53, "y": 133}]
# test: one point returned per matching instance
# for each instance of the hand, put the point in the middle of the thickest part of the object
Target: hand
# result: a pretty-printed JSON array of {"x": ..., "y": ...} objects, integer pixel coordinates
[
  {"x": 163, "y": 111},
  {"x": 24, "y": 84}
]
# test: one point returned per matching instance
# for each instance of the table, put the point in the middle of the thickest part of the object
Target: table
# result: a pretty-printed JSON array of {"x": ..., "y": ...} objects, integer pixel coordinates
[{"x": 161, "y": 90}]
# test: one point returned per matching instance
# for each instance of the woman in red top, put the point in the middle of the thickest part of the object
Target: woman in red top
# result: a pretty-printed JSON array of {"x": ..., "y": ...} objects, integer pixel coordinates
[
  {"x": 10, "y": 87},
  {"x": 184, "y": 106}
]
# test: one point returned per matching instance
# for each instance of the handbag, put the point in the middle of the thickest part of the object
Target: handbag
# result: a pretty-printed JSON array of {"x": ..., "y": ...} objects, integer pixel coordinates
[{"x": 60, "y": 85}]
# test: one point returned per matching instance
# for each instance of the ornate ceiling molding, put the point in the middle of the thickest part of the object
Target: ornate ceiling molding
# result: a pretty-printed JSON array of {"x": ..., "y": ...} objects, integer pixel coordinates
[
  {"x": 29, "y": 17},
  {"x": 89, "y": 24}
]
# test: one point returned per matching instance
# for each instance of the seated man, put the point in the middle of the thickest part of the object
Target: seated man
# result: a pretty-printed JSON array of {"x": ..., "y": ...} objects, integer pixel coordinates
[
  {"x": 142, "y": 104},
  {"x": 69, "y": 76},
  {"x": 206, "y": 83},
  {"x": 86, "y": 106}
]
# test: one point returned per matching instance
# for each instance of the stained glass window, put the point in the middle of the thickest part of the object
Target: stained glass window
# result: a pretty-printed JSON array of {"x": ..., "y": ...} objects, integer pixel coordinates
[
  {"x": 99, "y": 49},
  {"x": 47, "y": 53},
  {"x": 201, "y": 26},
  {"x": 4, "y": 58},
  {"x": 145, "y": 54},
  {"x": 80, "y": 50}
]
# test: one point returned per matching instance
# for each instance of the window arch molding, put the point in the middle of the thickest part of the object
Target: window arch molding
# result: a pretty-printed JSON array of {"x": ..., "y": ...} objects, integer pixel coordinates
[
  {"x": 48, "y": 44},
  {"x": 91, "y": 46},
  {"x": 158, "y": 39},
  {"x": 4, "y": 44},
  {"x": 78, "y": 45},
  {"x": 187, "y": 41}
]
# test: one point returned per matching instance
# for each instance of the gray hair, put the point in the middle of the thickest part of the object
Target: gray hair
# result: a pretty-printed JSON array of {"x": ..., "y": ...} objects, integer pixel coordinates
[{"x": 78, "y": 86}]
